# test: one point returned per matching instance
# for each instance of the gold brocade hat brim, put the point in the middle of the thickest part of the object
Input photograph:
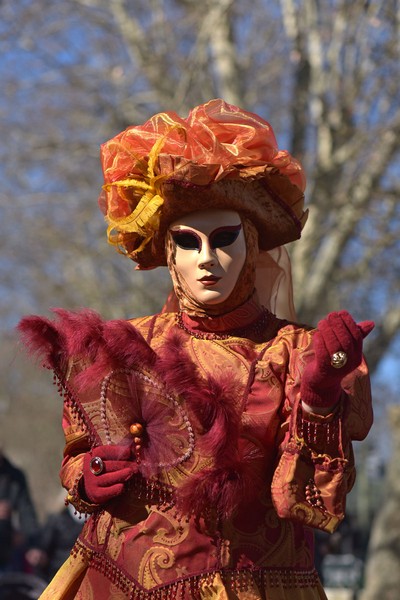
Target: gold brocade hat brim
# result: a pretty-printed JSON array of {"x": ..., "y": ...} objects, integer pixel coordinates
[{"x": 261, "y": 193}]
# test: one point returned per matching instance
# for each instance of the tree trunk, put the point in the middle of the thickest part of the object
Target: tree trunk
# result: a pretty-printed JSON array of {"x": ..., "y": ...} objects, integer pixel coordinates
[{"x": 382, "y": 577}]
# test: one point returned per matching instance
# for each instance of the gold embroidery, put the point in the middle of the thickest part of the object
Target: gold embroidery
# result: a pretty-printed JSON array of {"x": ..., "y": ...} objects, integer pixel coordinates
[
  {"x": 263, "y": 370},
  {"x": 175, "y": 534},
  {"x": 155, "y": 558}
]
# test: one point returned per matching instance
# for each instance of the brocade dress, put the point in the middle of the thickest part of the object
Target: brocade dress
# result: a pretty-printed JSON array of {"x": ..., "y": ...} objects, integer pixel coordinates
[{"x": 233, "y": 477}]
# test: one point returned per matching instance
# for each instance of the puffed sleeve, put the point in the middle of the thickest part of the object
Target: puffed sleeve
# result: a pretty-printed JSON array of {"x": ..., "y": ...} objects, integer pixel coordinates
[{"x": 315, "y": 469}]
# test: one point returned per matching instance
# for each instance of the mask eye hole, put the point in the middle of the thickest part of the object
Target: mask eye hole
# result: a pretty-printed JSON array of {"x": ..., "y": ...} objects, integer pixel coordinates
[
  {"x": 186, "y": 240},
  {"x": 224, "y": 236}
]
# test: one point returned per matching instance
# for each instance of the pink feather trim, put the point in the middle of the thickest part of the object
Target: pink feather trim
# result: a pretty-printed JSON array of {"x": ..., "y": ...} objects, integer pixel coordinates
[
  {"x": 220, "y": 490},
  {"x": 106, "y": 344},
  {"x": 214, "y": 405}
]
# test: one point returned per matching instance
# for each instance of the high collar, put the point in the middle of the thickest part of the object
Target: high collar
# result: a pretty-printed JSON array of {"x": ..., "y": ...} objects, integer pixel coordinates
[{"x": 239, "y": 318}]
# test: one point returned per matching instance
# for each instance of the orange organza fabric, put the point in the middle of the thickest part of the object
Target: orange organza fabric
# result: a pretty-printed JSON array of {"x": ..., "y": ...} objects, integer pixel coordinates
[{"x": 215, "y": 133}]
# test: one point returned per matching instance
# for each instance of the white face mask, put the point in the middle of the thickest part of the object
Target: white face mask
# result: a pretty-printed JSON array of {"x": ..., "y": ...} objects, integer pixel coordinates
[{"x": 210, "y": 251}]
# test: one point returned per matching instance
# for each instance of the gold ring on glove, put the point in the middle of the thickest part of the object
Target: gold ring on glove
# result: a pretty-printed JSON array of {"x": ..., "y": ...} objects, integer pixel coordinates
[
  {"x": 338, "y": 359},
  {"x": 96, "y": 465}
]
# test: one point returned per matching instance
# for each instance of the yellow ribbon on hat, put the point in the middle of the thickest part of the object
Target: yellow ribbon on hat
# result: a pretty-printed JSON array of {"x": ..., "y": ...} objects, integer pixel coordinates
[{"x": 145, "y": 218}]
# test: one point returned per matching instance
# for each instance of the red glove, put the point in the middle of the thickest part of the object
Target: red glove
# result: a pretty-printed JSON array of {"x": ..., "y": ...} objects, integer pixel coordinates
[
  {"x": 321, "y": 382},
  {"x": 116, "y": 466}
]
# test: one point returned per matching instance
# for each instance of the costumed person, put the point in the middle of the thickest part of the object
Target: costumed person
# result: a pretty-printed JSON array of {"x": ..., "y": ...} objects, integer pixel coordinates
[{"x": 208, "y": 440}]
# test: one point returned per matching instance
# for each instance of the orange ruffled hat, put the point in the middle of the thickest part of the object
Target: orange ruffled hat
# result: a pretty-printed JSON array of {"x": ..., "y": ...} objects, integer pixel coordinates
[{"x": 220, "y": 156}]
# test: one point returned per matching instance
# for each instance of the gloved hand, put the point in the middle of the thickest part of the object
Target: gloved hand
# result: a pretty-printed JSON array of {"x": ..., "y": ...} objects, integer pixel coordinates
[
  {"x": 116, "y": 465},
  {"x": 321, "y": 381}
]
